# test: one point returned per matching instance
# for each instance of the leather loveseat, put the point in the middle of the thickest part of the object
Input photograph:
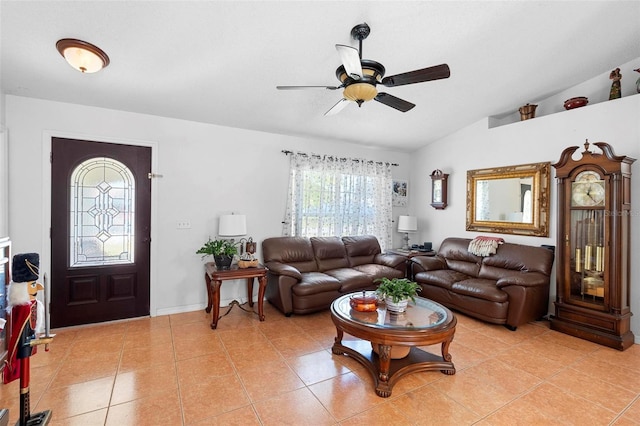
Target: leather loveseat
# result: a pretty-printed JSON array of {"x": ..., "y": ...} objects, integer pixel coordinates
[
  {"x": 307, "y": 274},
  {"x": 510, "y": 287}
]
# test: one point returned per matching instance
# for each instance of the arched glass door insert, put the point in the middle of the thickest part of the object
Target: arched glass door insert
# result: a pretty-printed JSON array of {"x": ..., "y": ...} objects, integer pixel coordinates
[{"x": 102, "y": 213}]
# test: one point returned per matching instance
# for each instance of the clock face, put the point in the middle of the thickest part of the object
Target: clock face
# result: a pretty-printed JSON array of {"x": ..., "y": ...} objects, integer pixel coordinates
[{"x": 588, "y": 190}]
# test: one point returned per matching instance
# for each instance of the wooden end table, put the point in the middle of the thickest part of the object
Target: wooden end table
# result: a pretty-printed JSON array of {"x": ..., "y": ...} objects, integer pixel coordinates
[
  {"x": 424, "y": 323},
  {"x": 213, "y": 279},
  {"x": 409, "y": 254}
]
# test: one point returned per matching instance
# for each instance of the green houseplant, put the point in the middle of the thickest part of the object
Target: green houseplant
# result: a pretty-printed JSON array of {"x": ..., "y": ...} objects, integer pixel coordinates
[
  {"x": 397, "y": 292},
  {"x": 221, "y": 250}
]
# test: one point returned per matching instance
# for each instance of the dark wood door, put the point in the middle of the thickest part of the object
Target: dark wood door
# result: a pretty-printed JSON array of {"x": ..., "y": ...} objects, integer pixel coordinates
[{"x": 100, "y": 231}]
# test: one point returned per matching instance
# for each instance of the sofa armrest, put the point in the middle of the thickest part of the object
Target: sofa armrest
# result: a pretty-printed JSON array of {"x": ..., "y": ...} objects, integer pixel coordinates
[
  {"x": 278, "y": 268},
  {"x": 524, "y": 279},
  {"x": 427, "y": 263},
  {"x": 394, "y": 261}
]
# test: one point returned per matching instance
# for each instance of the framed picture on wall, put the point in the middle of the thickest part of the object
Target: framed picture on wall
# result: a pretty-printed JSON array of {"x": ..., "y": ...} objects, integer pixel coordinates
[{"x": 400, "y": 193}]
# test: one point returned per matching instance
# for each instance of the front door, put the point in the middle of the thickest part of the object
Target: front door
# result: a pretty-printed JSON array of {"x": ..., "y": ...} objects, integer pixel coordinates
[{"x": 100, "y": 231}]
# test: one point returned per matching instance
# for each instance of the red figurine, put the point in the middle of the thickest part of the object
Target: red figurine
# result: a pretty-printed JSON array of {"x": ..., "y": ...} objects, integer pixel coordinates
[{"x": 27, "y": 325}]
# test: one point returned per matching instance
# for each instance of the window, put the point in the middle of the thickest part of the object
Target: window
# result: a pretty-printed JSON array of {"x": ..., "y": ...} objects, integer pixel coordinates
[
  {"x": 331, "y": 196},
  {"x": 102, "y": 213}
]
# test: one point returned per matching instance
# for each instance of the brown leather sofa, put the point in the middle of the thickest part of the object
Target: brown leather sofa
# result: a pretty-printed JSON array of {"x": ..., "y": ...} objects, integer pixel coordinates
[
  {"x": 510, "y": 287},
  {"x": 307, "y": 274}
]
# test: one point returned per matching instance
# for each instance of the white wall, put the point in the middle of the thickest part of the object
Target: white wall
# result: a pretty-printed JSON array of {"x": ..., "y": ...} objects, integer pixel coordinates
[
  {"x": 616, "y": 122},
  {"x": 207, "y": 171}
]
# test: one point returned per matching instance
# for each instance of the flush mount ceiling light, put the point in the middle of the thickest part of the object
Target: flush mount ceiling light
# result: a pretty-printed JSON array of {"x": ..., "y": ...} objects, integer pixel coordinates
[{"x": 83, "y": 56}]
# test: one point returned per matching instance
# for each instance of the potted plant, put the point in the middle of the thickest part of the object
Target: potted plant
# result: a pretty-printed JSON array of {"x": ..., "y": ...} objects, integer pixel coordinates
[
  {"x": 397, "y": 292},
  {"x": 221, "y": 250}
]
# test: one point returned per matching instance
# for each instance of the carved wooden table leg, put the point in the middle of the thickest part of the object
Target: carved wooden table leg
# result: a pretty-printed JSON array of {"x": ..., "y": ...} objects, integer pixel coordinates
[
  {"x": 262, "y": 285},
  {"x": 215, "y": 284},
  {"x": 337, "y": 342},
  {"x": 250, "y": 291},
  {"x": 207, "y": 281},
  {"x": 446, "y": 356},
  {"x": 384, "y": 357}
]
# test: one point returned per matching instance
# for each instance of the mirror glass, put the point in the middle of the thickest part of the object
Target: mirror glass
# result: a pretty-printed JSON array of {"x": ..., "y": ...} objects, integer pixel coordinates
[{"x": 509, "y": 200}]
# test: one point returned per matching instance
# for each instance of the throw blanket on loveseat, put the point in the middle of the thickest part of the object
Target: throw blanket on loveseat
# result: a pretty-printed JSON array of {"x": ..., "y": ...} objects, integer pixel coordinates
[{"x": 484, "y": 246}]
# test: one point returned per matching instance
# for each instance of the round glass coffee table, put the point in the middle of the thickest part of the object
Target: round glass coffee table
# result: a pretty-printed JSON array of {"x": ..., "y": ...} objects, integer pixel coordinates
[{"x": 424, "y": 323}]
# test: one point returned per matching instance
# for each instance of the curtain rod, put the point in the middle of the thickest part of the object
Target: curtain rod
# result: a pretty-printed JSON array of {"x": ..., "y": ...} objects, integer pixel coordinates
[{"x": 287, "y": 152}]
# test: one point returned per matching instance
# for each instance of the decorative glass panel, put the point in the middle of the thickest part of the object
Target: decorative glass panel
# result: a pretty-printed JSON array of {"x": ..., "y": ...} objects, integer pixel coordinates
[{"x": 102, "y": 213}]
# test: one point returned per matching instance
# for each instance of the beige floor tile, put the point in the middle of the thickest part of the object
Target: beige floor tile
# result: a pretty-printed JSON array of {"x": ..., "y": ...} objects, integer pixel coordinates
[
  {"x": 77, "y": 371},
  {"x": 212, "y": 397},
  {"x": 203, "y": 369},
  {"x": 317, "y": 366},
  {"x": 279, "y": 329},
  {"x": 135, "y": 358},
  {"x": 630, "y": 416},
  {"x": 346, "y": 395},
  {"x": 157, "y": 409},
  {"x": 298, "y": 407},
  {"x": 94, "y": 418},
  {"x": 81, "y": 398},
  {"x": 245, "y": 416},
  {"x": 427, "y": 405},
  {"x": 548, "y": 404},
  {"x": 387, "y": 413},
  {"x": 606, "y": 394},
  {"x": 143, "y": 382},
  {"x": 618, "y": 375},
  {"x": 254, "y": 354},
  {"x": 479, "y": 342},
  {"x": 265, "y": 380},
  {"x": 532, "y": 363},
  {"x": 296, "y": 345}
]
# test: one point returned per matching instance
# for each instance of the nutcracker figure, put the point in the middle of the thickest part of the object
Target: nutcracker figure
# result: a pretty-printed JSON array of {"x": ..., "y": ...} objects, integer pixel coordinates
[{"x": 27, "y": 327}]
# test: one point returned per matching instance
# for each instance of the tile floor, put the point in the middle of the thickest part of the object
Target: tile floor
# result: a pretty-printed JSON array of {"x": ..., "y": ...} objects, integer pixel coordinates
[{"x": 175, "y": 370}]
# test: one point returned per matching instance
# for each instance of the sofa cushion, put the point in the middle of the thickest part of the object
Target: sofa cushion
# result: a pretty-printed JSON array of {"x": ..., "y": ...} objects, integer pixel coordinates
[
  {"x": 375, "y": 271},
  {"x": 481, "y": 289},
  {"x": 516, "y": 257},
  {"x": 350, "y": 279},
  {"x": 329, "y": 252},
  {"x": 294, "y": 251},
  {"x": 315, "y": 282},
  {"x": 361, "y": 249},
  {"x": 444, "y": 278}
]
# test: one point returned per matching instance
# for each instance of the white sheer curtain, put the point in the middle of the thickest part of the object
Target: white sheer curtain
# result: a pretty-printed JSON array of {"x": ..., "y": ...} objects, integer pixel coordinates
[{"x": 330, "y": 196}]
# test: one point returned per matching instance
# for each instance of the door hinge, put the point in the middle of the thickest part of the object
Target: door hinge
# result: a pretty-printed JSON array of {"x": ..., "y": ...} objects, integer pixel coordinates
[{"x": 153, "y": 175}]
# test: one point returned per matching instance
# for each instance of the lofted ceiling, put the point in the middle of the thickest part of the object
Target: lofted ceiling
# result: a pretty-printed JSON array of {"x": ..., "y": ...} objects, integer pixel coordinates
[{"x": 219, "y": 62}]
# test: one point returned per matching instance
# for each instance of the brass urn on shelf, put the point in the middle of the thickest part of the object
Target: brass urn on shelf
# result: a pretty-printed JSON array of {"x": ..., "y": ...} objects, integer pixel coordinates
[{"x": 527, "y": 111}]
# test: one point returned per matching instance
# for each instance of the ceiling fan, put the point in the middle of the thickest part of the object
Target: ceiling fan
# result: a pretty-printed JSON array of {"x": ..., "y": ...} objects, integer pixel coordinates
[{"x": 359, "y": 77}]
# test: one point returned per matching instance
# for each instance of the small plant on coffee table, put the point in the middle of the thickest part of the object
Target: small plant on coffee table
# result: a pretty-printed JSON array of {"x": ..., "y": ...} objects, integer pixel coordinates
[
  {"x": 221, "y": 250},
  {"x": 397, "y": 289}
]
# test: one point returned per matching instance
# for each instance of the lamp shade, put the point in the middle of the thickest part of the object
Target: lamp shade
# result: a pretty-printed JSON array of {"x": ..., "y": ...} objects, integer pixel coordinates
[
  {"x": 407, "y": 224},
  {"x": 232, "y": 225}
]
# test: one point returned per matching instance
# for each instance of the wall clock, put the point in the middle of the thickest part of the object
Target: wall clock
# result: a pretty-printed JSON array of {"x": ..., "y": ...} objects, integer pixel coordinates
[{"x": 439, "y": 189}]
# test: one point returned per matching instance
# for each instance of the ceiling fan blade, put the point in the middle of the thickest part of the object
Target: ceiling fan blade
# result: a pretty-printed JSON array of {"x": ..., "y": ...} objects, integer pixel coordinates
[
  {"x": 337, "y": 107},
  {"x": 418, "y": 76},
  {"x": 306, "y": 87},
  {"x": 393, "y": 102},
  {"x": 351, "y": 60}
]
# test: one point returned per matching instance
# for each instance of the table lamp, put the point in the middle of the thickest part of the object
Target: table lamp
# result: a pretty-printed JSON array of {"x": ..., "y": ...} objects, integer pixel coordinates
[{"x": 407, "y": 224}]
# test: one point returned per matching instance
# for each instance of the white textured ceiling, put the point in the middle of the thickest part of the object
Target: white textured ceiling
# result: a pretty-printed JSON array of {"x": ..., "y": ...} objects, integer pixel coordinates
[{"x": 219, "y": 62}]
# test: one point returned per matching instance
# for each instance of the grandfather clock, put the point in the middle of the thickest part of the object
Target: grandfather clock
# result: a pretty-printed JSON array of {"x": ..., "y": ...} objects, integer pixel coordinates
[{"x": 594, "y": 207}]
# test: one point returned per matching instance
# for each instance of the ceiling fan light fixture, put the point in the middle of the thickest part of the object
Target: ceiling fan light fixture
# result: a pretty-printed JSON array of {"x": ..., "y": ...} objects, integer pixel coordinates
[
  {"x": 83, "y": 56},
  {"x": 360, "y": 92}
]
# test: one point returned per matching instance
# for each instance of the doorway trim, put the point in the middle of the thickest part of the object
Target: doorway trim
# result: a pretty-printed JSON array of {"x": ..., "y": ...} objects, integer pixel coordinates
[{"x": 45, "y": 252}]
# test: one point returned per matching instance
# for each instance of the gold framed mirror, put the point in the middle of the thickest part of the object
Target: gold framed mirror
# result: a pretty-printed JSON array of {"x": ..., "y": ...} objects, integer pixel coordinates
[{"x": 509, "y": 200}]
